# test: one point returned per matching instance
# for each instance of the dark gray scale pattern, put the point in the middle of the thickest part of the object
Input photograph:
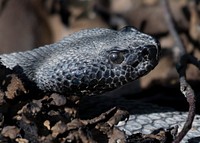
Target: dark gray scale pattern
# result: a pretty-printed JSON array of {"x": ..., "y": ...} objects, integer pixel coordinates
[{"x": 88, "y": 61}]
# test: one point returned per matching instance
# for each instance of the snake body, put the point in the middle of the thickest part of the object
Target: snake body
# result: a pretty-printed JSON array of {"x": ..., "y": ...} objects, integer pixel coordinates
[
  {"x": 91, "y": 61},
  {"x": 147, "y": 118}
]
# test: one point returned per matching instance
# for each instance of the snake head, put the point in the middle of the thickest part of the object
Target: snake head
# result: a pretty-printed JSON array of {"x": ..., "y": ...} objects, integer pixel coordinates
[
  {"x": 98, "y": 60},
  {"x": 88, "y": 61},
  {"x": 130, "y": 55},
  {"x": 109, "y": 59},
  {"x": 114, "y": 59},
  {"x": 92, "y": 60}
]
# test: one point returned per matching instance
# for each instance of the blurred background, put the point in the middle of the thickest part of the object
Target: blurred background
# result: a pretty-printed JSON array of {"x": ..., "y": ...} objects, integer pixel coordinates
[{"x": 27, "y": 24}]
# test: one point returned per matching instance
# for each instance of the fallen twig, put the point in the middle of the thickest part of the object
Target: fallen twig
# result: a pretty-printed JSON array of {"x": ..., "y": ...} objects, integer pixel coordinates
[
  {"x": 182, "y": 59},
  {"x": 179, "y": 49},
  {"x": 188, "y": 92}
]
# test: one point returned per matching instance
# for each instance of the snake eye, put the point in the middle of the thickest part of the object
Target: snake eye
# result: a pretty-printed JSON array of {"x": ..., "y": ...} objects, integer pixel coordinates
[{"x": 116, "y": 57}]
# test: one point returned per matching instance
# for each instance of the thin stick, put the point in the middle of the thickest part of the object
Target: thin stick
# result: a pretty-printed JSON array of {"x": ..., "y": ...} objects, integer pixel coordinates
[
  {"x": 182, "y": 59},
  {"x": 179, "y": 49}
]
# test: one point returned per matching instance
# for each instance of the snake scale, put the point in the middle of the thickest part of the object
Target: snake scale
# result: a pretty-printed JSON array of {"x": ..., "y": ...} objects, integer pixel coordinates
[{"x": 94, "y": 61}]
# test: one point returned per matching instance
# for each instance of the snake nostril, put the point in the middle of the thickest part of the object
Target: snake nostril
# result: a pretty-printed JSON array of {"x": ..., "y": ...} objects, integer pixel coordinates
[
  {"x": 145, "y": 52},
  {"x": 150, "y": 52}
]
